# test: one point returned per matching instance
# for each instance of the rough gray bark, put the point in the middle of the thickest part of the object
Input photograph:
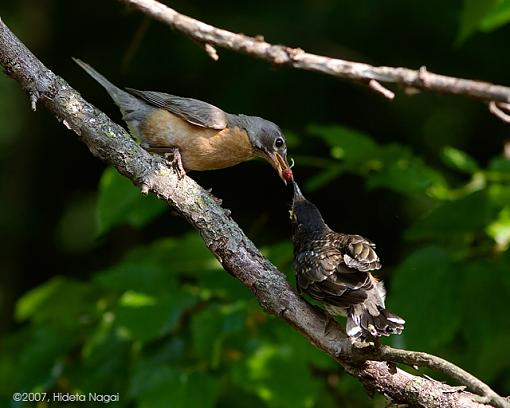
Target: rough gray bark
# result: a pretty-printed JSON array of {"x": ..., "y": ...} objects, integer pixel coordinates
[{"x": 237, "y": 254}]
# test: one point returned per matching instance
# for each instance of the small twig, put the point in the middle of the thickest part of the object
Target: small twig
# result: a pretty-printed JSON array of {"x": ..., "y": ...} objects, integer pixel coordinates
[
  {"x": 211, "y": 51},
  {"x": 376, "y": 86},
  {"x": 282, "y": 55},
  {"x": 498, "y": 109},
  {"x": 415, "y": 358}
]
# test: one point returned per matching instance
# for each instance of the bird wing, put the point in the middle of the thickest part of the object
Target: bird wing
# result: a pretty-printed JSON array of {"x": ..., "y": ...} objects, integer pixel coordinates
[
  {"x": 196, "y": 112},
  {"x": 335, "y": 271},
  {"x": 359, "y": 253}
]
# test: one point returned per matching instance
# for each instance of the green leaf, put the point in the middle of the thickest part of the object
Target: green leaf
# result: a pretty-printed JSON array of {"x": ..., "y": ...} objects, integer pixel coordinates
[
  {"x": 472, "y": 15},
  {"x": 497, "y": 16},
  {"x": 499, "y": 229},
  {"x": 323, "y": 178},
  {"x": 458, "y": 160},
  {"x": 406, "y": 176},
  {"x": 43, "y": 357},
  {"x": 278, "y": 376},
  {"x": 120, "y": 202},
  {"x": 76, "y": 230},
  {"x": 483, "y": 294},
  {"x": 60, "y": 301},
  {"x": 169, "y": 387},
  {"x": 500, "y": 164},
  {"x": 212, "y": 326},
  {"x": 105, "y": 353},
  {"x": 153, "y": 268},
  {"x": 350, "y": 146},
  {"x": 424, "y": 292},
  {"x": 280, "y": 254},
  {"x": 150, "y": 321},
  {"x": 452, "y": 220}
]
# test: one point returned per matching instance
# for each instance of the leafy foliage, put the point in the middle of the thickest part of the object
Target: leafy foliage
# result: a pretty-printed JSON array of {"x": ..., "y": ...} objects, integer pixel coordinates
[{"x": 483, "y": 15}]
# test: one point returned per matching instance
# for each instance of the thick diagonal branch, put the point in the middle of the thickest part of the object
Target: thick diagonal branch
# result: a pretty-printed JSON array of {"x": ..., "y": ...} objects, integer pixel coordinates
[
  {"x": 367, "y": 74},
  {"x": 238, "y": 255}
]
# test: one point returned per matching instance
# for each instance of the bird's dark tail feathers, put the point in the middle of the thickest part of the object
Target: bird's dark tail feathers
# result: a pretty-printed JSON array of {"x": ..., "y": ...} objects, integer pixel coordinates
[
  {"x": 363, "y": 322},
  {"x": 126, "y": 102}
]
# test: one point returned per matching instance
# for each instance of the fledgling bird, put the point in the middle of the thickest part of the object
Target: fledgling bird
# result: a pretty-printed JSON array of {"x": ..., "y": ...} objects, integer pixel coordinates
[
  {"x": 335, "y": 269},
  {"x": 198, "y": 135}
]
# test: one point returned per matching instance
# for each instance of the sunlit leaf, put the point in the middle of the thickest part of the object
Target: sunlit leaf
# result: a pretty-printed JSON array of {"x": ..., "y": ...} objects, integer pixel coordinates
[
  {"x": 150, "y": 321},
  {"x": 278, "y": 376},
  {"x": 499, "y": 229},
  {"x": 349, "y": 146},
  {"x": 471, "y": 17},
  {"x": 60, "y": 301},
  {"x": 120, "y": 202},
  {"x": 497, "y": 16},
  {"x": 458, "y": 160}
]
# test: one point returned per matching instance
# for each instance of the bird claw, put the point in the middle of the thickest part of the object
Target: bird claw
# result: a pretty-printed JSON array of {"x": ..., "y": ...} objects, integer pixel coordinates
[{"x": 176, "y": 163}]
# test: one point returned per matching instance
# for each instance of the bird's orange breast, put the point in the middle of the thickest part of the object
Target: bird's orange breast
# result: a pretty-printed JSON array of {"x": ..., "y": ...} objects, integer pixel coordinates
[{"x": 200, "y": 148}]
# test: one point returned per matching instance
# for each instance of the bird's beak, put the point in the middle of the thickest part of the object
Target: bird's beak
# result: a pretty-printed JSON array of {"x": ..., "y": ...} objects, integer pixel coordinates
[
  {"x": 279, "y": 162},
  {"x": 298, "y": 195}
]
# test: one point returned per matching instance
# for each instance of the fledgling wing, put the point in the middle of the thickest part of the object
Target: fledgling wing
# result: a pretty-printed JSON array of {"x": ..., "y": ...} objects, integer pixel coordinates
[
  {"x": 334, "y": 269},
  {"x": 191, "y": 110}
]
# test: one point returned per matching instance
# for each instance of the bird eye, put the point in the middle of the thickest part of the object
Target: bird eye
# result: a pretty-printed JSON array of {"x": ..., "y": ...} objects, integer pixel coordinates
[{"x": 278, "y": 142}]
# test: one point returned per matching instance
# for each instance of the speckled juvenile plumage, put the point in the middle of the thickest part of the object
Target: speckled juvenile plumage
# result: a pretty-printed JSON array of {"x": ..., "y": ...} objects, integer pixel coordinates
[{"x": 336, "y": 269}]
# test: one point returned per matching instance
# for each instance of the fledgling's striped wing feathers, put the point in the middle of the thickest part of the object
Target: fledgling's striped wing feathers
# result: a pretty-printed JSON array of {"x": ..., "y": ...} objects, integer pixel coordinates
[{"x": 333, "y": 268}]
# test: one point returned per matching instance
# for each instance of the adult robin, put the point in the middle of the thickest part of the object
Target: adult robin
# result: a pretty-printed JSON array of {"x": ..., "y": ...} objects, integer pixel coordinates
[
  {"x": 335, "y": 269},
  {"x": 198, "y": 135}
]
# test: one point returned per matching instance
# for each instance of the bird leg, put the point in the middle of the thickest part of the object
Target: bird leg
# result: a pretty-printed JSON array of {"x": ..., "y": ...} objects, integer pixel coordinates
[
  {"x": 327, "y": 326},
  {"x": 176, "y": 162}
]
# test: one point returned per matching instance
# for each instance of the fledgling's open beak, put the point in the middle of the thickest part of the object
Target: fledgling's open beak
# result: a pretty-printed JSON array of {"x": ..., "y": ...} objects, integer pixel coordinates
[{"x": 279, "y": 162}]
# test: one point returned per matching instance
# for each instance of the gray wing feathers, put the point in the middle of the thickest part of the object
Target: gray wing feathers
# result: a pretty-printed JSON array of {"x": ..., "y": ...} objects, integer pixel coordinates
[{"x": 192, "y": 110}]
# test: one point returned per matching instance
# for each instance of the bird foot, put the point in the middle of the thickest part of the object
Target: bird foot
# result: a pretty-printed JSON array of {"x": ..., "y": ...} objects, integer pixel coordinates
[
  {"x": 217, "y": 200},
  {"x": 176, "y": 162},
  {"x": 360, "y": 344}
]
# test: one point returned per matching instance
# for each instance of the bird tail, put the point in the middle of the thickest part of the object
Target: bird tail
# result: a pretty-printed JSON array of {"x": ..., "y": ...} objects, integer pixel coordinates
[
  {"x": 127, "y": 103},
  {"x": 366, "y": 321},
  {"x": 370, "y": 318}
]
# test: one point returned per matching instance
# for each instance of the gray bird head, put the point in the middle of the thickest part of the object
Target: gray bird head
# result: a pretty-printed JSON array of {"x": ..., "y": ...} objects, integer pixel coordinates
[
  {"x": 268, "y": 142},
  {"x": 305, "y": 216}
]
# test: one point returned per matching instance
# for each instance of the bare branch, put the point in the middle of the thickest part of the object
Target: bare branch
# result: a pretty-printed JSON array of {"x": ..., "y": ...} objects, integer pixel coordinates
[
  {"x": 295, "y": 57},
  {"x": 237, "y": 254}
]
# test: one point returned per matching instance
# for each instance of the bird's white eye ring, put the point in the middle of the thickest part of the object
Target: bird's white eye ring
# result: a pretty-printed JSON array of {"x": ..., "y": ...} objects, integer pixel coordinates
[{"x": 279, "y": 142}]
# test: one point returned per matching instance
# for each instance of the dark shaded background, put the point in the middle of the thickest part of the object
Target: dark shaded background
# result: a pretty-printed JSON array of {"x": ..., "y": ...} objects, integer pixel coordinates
[{"x": 49, "y": 180}]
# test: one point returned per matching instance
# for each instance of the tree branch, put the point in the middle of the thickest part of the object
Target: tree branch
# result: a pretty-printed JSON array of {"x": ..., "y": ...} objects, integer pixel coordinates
[
  {"x": 237, "y": 254},
  {"x": 373, "y": 76}
]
